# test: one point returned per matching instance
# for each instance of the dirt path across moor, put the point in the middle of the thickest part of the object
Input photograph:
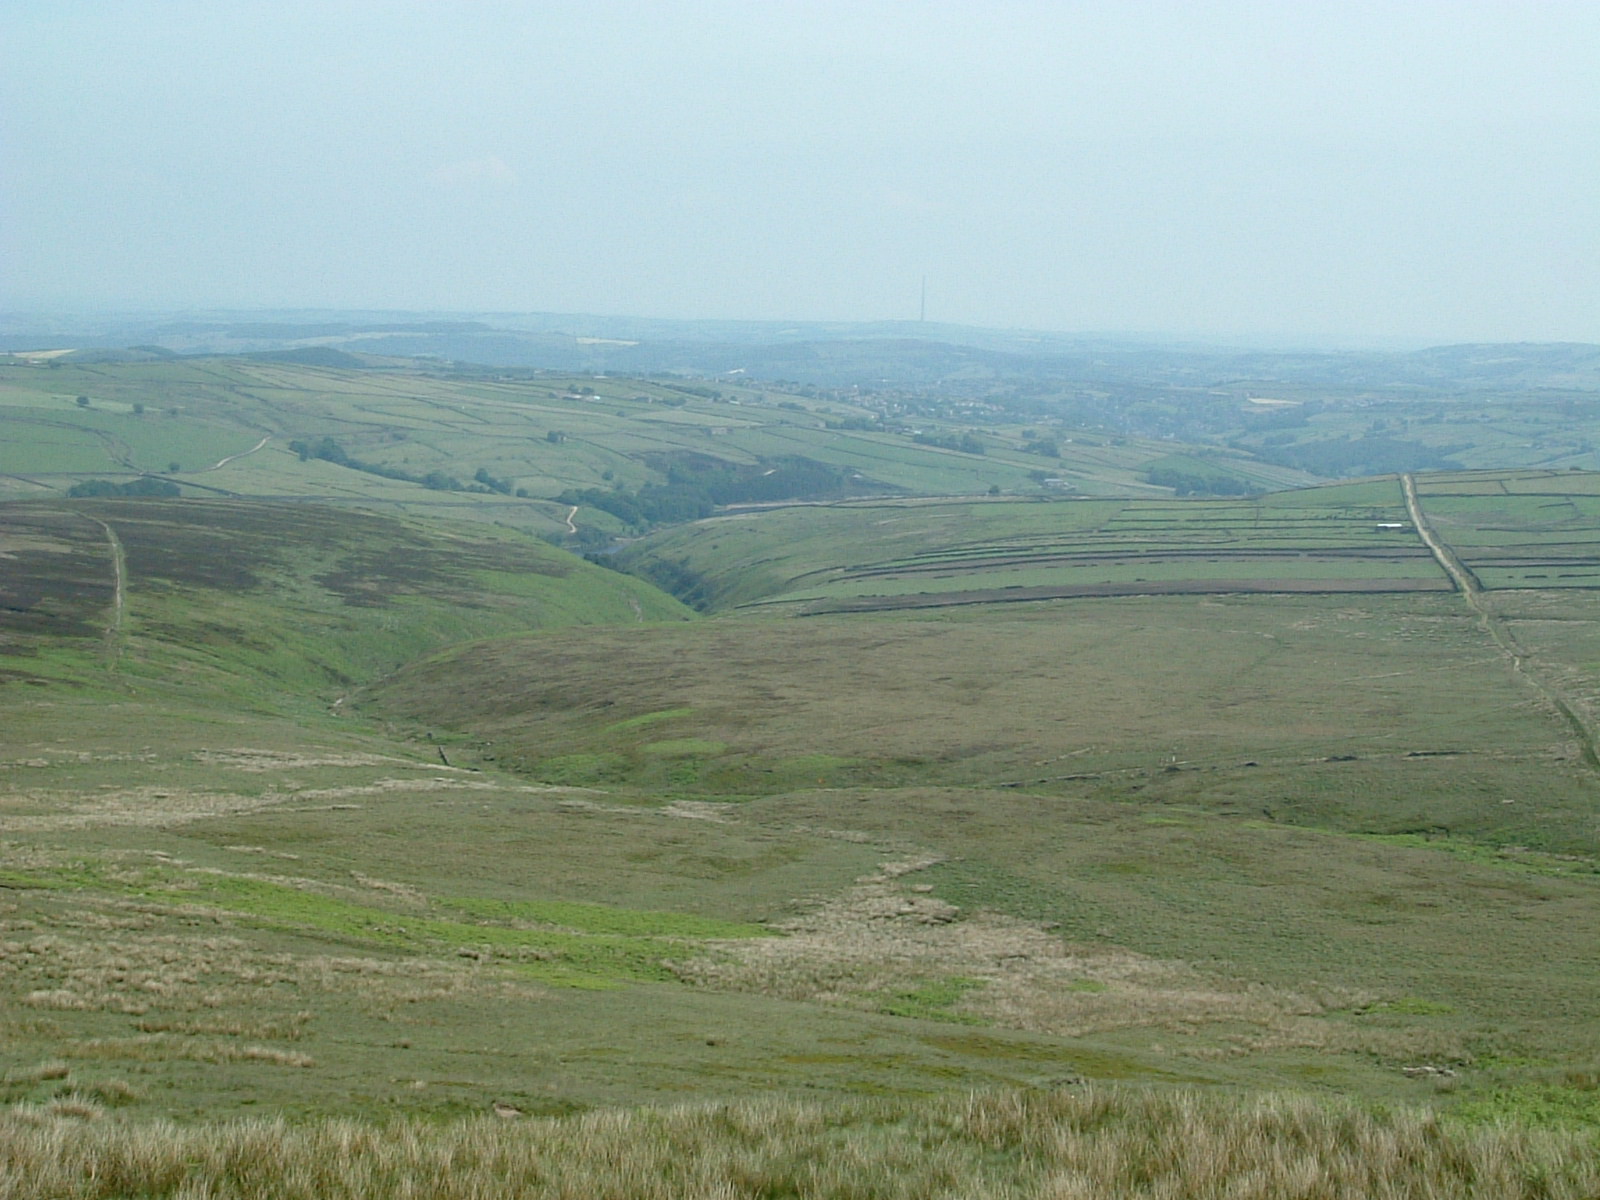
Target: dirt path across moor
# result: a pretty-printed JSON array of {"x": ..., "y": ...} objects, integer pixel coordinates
[{"x": 119, "y": 567}]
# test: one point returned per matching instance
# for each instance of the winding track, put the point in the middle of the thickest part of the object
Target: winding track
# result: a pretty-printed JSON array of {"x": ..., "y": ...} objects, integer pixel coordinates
[
  {"x": 1467, "y": 584},
  {"x": 222, "y": 462},
  {"x": 119, "y": 566}
]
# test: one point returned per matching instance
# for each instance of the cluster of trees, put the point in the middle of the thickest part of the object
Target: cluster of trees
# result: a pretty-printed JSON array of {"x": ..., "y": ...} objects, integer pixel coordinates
[
  {"x": 1195, "y": 483},
  {"x": 145, "y": 485},
  {"x": 653, "y": 504},
  {"x": 677, "y": 578},
  {"x": 1344, "y": 458},
  {"x": 328, "y": 450},
  {"x": 696, "y": 488},
  {"x": 491, "y": 482},
  {"x": 967, "y": 443}
]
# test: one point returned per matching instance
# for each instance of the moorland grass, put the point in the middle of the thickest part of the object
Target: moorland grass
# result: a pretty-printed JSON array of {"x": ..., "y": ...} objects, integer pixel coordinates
[
  {"x": 280, "y": 604},
  {"x": 1101, "y": 1144},
  {"x": 1328, "y": 843}
]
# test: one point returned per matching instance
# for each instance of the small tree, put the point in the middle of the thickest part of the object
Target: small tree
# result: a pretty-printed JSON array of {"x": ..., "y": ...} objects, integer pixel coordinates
[
  {"x": 174, "y": 467},
  {"x": 83, "y": 402}
]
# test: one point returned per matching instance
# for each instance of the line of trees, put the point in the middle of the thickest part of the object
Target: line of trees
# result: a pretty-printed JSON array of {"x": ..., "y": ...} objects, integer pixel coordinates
[
  {"x": 967, "y": 443},
  {"x": 145, "y": 485},
  {"x": 1192, "y": 483},
  {"x": 696, "y": 489},
  {"x": 328, "y": 450}
]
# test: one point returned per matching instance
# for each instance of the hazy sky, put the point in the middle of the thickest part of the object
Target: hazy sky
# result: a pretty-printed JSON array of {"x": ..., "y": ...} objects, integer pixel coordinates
[{"x": 1326, "y": 170}]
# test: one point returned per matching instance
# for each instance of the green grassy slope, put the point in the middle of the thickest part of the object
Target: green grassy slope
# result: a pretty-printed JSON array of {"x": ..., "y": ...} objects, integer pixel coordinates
[
  {"x": 289, "y": 598},
  {"x": 221, "y": 890},
  {"x": 300, "y": 827},
  {"x": 1305, "y": 835},
  {"x": 864, "y": 555},
  {"x": 224, "y": 426}
]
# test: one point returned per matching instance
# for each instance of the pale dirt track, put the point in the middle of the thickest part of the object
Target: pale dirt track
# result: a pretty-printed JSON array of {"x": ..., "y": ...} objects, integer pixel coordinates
[
  {"x": 222, "y": 462},
  {"x": 119, "y": 567}
]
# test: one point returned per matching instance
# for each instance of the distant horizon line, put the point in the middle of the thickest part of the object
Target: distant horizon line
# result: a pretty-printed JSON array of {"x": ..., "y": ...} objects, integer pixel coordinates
[{"x": 1279, "y": 340}]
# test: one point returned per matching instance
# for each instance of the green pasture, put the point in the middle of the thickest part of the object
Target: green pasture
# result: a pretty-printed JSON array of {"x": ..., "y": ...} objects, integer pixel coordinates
[
  {"x": 542, "y": 435},
  {"x": 1295, "y": 568},
  {"x": 885, "y": 549},
  {"x": 1283, "y": 785},
  {"x": 1513, "y": 429},
  {"x": 1519, "y": 529}
]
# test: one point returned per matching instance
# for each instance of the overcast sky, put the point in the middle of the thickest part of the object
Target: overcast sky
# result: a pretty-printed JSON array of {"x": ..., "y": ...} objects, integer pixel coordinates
[{"x": 1330, "y": 171}]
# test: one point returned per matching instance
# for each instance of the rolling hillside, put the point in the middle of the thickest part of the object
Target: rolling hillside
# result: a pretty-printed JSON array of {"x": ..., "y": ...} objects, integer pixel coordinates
[
  {"x": 486, "y": 445},
  {"x": 324, "y": 812},
  {"x": 1136, "y": 771}
]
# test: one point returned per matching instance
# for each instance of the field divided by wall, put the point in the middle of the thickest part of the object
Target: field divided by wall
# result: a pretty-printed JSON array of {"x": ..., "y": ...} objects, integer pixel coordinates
[{"x": 865, "y": 555}]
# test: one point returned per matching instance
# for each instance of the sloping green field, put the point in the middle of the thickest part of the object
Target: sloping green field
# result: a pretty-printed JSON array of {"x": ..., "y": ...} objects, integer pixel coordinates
[
  {"x": 878, "y": 555},
  {"x": 310, "y": 598},
  {"x": 329, "y": 813},
  {"x": 230, "y": 427},
  {"x": 1078, "y": 761}
]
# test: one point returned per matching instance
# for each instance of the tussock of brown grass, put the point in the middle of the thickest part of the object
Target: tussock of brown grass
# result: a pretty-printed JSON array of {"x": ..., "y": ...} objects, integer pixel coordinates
[
  {"x": 886, "y": 935},
  {"x": 382, "y": 985},
  {"x": 162, "y": 1048},
  {"x": 137, "y": 971},
  {"x": 401, "y": 891},
  {"x": 1109, "y": 1145},
  {"x": 57, "y": 810},
  {"x": 191, "y": 984},
  {"x": 697, "y": 810},
  {"x": 111, "y": 1092},
  {"x": 289, "y": 1028},
  {"x": 74, "y": 1106},
  {"x": 45, "y": 810},
  {"x": 381, "y": 787},
  {"x": 53, "y": 1069},
  {"x": 246, "y": 759}
]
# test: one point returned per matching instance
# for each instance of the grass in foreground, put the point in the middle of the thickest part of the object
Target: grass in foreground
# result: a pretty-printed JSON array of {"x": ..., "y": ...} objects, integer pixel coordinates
[{"x": 1061, "y": 1145}]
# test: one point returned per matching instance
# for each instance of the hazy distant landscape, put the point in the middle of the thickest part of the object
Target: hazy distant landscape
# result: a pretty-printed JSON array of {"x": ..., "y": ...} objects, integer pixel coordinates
[
  {"x": 1031, "y": 731},
  {"x": 808, "y": 601}
]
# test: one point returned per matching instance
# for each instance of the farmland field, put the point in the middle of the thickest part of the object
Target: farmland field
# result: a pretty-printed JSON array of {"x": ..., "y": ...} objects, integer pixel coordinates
[
  {"x": 229, "y": 426},
  {"x": 864, "y": 554},
  {"x": 1522, "y": 529}
]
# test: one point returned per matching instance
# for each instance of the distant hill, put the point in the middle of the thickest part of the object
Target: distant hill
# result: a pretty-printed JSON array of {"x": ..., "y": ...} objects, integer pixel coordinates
[{"x": 825, "y": 354}]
